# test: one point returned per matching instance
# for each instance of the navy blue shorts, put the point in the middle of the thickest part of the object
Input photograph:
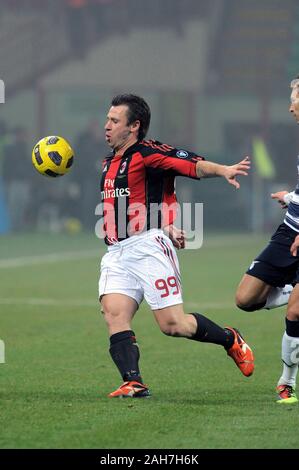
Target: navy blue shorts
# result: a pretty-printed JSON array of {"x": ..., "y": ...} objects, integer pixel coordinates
[{"x": 275, "y": 265}]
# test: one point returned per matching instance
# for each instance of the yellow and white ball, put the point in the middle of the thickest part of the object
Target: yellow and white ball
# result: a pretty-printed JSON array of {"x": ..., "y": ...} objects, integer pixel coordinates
[{"x": 52, "y": 156}]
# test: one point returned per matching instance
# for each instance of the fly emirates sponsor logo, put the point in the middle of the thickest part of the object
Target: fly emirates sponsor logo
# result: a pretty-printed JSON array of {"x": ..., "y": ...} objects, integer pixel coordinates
[{"x": 111, "y": 192}]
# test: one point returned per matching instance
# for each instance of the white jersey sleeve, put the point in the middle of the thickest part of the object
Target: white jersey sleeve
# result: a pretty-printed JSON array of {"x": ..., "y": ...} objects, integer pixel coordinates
[{"x": 288, "y": 197}]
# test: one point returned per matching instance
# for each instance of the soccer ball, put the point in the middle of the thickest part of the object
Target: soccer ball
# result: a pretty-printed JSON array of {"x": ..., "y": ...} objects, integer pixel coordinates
[{"x": 52, "y": 156}]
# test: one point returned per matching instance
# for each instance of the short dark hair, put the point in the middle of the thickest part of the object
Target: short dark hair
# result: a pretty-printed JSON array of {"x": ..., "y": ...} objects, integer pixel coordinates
[{"x": 138, "y": 110}]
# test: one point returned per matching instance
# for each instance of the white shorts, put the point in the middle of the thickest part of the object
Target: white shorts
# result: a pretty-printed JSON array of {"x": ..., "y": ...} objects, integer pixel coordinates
[{"x": 146, "y": 266}]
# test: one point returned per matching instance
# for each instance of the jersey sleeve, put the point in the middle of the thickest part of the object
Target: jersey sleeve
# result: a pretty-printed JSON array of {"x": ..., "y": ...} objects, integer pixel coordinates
[
  {"x": 288, "y": 197},
  {"x": 177, "y": 161}
]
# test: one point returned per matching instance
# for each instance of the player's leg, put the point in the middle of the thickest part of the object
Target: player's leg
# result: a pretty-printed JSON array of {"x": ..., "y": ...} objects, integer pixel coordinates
[
  {"x": 162, "y": 291},
  {"x": 174, "y": 322},
  {"x": 266, "y": 283},
  {"x": 290, "y": 352},
  {"x": 252, "y": 293},
  {"x": 120, "y": 296},
  {"x": 118, "y": 311}
]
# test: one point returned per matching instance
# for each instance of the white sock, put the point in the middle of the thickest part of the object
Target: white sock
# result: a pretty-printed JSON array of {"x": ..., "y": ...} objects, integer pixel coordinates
[
  {"x": 290, "y": 357},
  {"x": 278, "y": 296}
]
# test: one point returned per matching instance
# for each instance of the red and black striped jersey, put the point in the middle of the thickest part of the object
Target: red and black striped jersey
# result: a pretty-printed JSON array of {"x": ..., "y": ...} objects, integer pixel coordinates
[{"x": 138, "y": 187}]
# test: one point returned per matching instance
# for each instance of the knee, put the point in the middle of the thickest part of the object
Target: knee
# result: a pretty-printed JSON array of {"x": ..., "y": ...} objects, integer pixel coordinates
[
  {"x": 113, "y": 316},
  {"x": 242, "y": 301},
  {"x": 247, "y": 304},
  {"x": 111, "y": 310}
]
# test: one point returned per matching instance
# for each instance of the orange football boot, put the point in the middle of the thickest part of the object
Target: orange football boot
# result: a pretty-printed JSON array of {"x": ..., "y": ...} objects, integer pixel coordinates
[
  {"x": 131, "y": 390},
  {"x": 241, "y": 353}
]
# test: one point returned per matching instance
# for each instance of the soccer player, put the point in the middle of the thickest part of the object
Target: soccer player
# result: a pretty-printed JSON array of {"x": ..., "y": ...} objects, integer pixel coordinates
[
  {"x": 266, "y": 283},
  {"x": 141, "y": 261}
]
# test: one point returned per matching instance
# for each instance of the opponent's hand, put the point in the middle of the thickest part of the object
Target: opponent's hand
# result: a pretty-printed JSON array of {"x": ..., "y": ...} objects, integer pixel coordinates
[
  {"x": 176, "y": 235},
  {"x": 295, "y": 246},
  {"x": 279, "y": 197},
  {"x": 231, "y": 172}
]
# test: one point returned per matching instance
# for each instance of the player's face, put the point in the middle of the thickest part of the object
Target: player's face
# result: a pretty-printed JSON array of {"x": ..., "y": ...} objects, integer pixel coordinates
[
  {"x": 118, "y": 133},
  {"x": 294, "y": 106}
]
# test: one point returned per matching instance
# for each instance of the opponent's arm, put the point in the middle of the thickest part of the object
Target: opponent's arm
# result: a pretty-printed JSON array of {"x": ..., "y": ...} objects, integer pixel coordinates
[
  {"x": 206, "y": 169},
  {"x": 283, "y": 198}
]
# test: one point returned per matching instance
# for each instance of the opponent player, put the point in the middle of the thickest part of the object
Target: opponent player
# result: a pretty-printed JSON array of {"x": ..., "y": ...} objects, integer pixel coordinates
[
  {"x": 141, "y": 261},
  {"x": 266, "y": 283}
]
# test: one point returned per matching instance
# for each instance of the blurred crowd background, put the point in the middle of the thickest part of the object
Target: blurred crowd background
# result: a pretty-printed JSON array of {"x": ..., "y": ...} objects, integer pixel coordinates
[{"x": 216, "y": 74}]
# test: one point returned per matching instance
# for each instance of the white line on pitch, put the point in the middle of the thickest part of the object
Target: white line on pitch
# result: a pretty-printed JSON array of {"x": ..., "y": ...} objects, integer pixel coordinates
[
  {"x": 94, "y": 303},
  {"x": 49, "y": 302},
  {"x": 49, "y": 258}
]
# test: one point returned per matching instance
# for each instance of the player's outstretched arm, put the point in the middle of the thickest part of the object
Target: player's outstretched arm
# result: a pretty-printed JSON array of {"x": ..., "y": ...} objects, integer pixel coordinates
[
  {"x": 283, "y": 198},
  {"x": 295, "y": 246},
  {"x": 205, "y": 169}
]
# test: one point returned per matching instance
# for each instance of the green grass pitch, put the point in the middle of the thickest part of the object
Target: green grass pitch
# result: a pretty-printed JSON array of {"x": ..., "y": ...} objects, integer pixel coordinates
[{"x": 58, "y": 372}]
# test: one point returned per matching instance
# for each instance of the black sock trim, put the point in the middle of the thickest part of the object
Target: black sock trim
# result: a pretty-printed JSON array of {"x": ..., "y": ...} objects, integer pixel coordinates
[
  {"x": 252, "y": 308},
  {"x": 121, "y": 336},
  {"x": 292, "y": 328}
]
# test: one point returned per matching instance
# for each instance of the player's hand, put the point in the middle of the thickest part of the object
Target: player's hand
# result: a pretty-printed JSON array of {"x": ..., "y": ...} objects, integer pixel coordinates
[
  {"x": 176, "y": 235},
  {"x": 279, "y": 197},
  {"x": 231, "y": 172},
  {"x": 295, "y": 246}
]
